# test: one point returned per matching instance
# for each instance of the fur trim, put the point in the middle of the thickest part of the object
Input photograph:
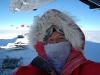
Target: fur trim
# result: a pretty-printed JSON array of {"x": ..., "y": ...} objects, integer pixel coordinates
[{"x": 54, "y": 17}]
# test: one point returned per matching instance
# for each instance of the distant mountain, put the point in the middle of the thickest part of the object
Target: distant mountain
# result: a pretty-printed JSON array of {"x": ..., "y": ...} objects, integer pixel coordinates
[
  {"x": 4, "y": 42},
  {"x": 92, "y": 51}
]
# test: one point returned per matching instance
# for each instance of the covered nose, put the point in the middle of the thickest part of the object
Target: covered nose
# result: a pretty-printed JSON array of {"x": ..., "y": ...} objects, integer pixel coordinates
[{"x": 52, "y": 40}]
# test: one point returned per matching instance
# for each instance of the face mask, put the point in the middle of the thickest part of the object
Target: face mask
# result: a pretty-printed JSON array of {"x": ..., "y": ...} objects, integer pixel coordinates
[{"x": 58, "y": 53}]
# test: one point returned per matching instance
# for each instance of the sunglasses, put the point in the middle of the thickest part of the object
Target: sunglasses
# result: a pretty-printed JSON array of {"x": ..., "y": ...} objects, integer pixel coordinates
[{"x": 52, "y": 29}]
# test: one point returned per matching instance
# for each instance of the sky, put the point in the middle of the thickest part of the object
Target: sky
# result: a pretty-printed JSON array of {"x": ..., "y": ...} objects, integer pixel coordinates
[{"x": 87, "y": 19}]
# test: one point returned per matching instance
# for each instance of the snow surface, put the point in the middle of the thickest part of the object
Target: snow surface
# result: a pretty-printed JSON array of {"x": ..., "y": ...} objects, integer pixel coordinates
[{"x": 27, "y": 55}]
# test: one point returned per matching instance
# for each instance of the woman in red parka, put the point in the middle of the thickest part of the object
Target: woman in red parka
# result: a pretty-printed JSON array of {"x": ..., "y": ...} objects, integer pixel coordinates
[{"x": 59, "y": 43}]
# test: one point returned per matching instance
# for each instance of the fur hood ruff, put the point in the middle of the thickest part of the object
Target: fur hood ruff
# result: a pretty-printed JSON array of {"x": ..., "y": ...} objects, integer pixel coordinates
[{"x": 63, "y": 21}]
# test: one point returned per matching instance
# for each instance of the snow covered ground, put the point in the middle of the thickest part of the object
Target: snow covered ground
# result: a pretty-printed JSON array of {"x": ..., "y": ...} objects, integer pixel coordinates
[
  {"x": 92, "y": 51},
  {"x": 27, "y": 56}
]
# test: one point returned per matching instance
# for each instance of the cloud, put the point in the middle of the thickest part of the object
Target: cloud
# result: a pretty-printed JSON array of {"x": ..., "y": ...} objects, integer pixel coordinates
[
  {"x": 93, "y": 36},
  {"x": 9, "y": 34}
]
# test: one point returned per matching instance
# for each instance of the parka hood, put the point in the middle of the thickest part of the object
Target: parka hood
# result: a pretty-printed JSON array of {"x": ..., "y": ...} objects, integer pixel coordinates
[{"x": 63, "y": 22}]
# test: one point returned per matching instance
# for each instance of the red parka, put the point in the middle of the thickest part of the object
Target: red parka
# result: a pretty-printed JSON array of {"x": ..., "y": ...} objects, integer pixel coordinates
[{"x": 76, "y": 65}]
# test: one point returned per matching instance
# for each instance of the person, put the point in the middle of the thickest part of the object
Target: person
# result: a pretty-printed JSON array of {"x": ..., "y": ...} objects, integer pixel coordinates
[{"x": 59, "y": 43}]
